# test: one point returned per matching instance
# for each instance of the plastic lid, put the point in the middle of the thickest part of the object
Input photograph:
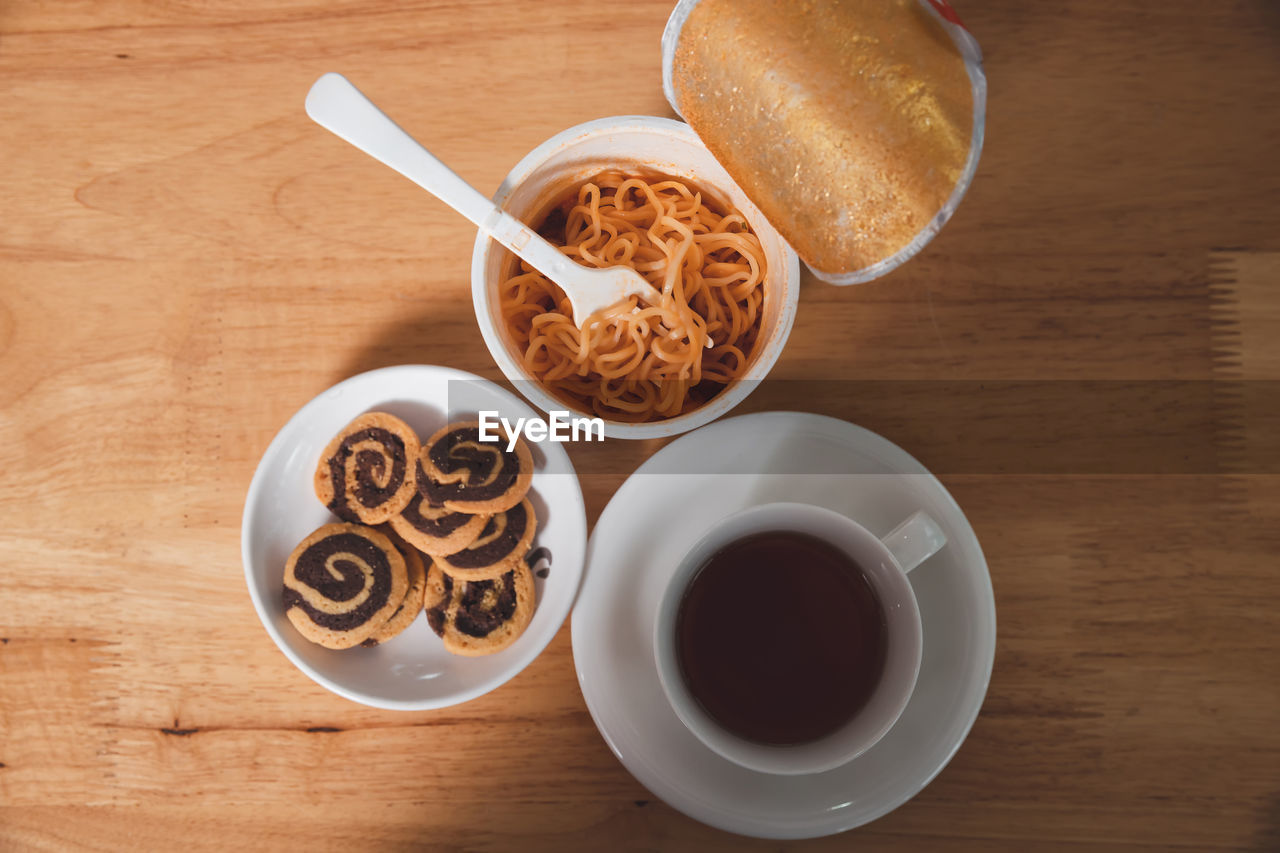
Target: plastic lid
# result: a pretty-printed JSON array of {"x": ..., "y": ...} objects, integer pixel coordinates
[{"x": 854, "y": 125}]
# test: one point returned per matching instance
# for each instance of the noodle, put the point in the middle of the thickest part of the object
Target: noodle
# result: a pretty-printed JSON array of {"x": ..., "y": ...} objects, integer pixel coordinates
[{"x": 635, "y": 361}]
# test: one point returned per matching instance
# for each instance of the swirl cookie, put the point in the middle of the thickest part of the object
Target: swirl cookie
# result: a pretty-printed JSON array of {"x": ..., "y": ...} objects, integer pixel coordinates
[
  {"x": 480, "y": 617},
  {"x": 460, "y": 472},
  {"x": 411, "y": 606},
  {"x": 342, "y": 583},
  {"x": 500, "y": 546},
  {"x": 435, "y": 530},
  {"x": 368, "y": 473}
]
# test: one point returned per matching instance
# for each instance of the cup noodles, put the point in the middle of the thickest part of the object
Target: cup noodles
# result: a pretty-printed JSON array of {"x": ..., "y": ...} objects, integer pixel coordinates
[{"x": 854, "y": 125}]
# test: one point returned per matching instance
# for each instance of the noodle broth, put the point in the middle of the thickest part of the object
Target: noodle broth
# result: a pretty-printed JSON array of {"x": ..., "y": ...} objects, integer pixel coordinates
[{"x": 640, "y": 363}]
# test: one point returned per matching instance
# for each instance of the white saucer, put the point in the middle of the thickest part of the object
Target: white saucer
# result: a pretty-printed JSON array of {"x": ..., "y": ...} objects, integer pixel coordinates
[
  {"x": 665, "y": 507},
  {"x": 412, "y": 671}
]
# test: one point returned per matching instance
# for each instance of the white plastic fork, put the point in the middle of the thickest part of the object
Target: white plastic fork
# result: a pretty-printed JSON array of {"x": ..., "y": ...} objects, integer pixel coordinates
[{"x": 339, "y": 107}]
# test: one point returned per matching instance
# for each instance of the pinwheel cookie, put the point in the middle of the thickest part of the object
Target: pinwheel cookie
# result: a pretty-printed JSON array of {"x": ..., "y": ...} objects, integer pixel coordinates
[
  {"x": 368, "y": 473},
  {"x": 476, "y": 618},
  {"x": 460, "y": 472},
  {"x": 436, "y": 530},
  {"x": 342, "y": 583},
  {"x": 499, "y": 548}
]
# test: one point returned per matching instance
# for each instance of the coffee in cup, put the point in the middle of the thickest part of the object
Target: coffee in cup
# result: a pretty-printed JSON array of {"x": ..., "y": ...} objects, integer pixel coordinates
[
  {"x": 789, "y": 640},
  {"x": 780, "y": 637}
]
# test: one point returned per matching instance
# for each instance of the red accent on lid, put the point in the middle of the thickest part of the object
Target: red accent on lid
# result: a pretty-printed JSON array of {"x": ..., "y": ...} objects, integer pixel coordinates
[{"x": 945, "y": 10}]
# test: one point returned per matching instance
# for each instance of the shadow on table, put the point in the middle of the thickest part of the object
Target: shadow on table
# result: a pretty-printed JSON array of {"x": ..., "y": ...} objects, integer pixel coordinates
[
  {"x": 446, "y": 335},
  {"x": 1269, "y": 832}
]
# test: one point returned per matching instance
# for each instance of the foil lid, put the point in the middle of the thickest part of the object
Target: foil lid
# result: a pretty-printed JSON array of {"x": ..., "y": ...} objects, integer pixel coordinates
[{"x": 854, "y": 125}]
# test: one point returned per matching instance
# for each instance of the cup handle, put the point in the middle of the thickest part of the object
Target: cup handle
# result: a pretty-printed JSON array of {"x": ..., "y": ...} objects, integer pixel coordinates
[{"x": 915, "y": 540}]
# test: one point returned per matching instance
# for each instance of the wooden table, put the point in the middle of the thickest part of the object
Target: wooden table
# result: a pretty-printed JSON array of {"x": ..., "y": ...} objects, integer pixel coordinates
[{"x": 185, "y": 259}]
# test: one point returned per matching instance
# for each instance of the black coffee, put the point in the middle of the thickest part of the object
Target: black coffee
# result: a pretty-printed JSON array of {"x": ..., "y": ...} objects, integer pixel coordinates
[{"x": 781, "y": 638}]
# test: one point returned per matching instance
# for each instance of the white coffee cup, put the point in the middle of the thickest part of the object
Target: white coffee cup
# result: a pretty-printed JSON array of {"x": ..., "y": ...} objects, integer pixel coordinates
[{"x": 885, "y": 563}]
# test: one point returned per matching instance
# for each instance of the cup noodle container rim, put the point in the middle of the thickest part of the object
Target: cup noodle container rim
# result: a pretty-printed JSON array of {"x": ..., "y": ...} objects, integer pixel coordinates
[
  {"x": 972, "y": 54},
  {"x": 584, "y": 150}
]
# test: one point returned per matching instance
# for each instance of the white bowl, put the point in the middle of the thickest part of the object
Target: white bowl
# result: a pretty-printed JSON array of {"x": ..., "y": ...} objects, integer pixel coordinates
[
  {"x": 412, "y": 671},
  {"x": 630, "y": 142}
]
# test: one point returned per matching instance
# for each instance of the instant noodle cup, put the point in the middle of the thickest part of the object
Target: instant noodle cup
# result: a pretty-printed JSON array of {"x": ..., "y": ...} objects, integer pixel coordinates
[
  {"x": 854, "y": 125},
  {"x": 643, "y": 146}
]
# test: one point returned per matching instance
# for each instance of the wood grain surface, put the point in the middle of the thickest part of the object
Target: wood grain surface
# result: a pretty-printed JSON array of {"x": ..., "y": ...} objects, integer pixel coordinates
[{"x": 185, "y": 260}]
